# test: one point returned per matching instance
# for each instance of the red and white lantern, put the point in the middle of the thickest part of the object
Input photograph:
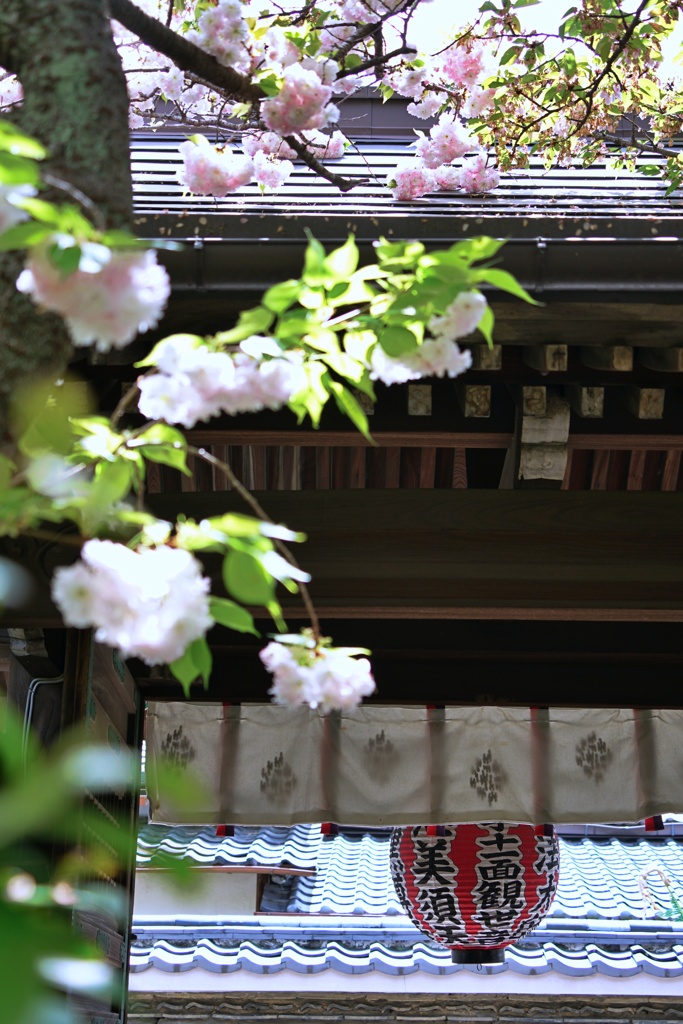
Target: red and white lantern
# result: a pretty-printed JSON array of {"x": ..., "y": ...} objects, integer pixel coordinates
[{"x": 475, "y": 888}]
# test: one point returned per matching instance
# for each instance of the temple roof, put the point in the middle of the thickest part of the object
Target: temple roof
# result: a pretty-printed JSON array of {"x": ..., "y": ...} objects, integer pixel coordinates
[{"x": 346, "y": 917}]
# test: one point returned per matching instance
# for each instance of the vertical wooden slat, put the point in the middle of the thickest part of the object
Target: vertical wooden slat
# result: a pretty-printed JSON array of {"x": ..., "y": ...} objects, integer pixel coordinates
[
  {"x": 652, "y": 473},
  {"x": 296, "y": 468},
  {"x": 581, "y": 469},
  {"x": 600, "y": 470},
  {"x": 376, "y": 467},
  {"x": 410, "y": 467},
  {"x": 340, "y": 462},
  {"x": 245, "y": 473},
  {"x": 188, "y": 484},
  {"x": 258, "y": 467},
  {"x": 427, "y": 467},
  {"x": 307, "y": 468},
  {"x": 636, "y": 470},
  {"x": 392, "y": 477},
  {"x": 618, "y": 471},
  {"x": 357, "y": 467},
  {"x": 236, "y": 457},
  {"x": 568, "y": 471},
  {"x": 322, "y": 469},
  {"x": 459, "y": 468},
  {"x": 153, "y": 478},
  {"x": 287, "y": 458},
  {"x": 219, "y": 480},
  {"x": 672, "y": 466}
]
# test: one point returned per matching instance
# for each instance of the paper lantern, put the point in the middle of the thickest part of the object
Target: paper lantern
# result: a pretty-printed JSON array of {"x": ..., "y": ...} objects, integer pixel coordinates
[{"x": 475, "y": 888}]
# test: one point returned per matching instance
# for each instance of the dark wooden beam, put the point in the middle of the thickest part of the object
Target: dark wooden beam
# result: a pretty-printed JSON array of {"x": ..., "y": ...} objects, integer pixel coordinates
[
  {"x": 569, "y": 664},
  {"x": 458, "y": 554}
]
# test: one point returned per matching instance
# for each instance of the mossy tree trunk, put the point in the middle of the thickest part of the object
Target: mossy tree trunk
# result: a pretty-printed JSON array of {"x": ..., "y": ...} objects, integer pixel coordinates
[{"x": 75, "y": 102}]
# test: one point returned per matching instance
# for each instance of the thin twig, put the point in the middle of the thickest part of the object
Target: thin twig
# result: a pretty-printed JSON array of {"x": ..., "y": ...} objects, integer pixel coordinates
[
  {"x": 80, "y": 197},
  {"x": 261, "y": 514},
  {"x": 342, "y": 183},
  {"x": 55, "y": 538},
  {"x": 123, "y": 404}
]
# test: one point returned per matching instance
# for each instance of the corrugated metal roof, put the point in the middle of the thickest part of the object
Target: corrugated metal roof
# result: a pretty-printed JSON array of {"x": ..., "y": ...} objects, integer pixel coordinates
[{"x": 560, "y": 202}]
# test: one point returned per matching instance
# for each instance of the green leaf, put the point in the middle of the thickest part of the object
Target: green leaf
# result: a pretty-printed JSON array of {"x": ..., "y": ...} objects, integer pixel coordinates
[
  {"x": 281, "y": 296},
  {"x": 397, "y": 341},
  {"x": 348, "y": 405},
  {"x": 314, "y": 261},
  {"x": 293, "y": 328},
  {"x": 506, "y": 282},
  {"x": 321, "y": 339},
  {"x": 195, "y": 663},
  {"x": 270, "y": 83},
  {"x": 510, "y": 54},
  {"x": 65, "y": 258},
  {"x": 166, "y": 455},
  {"x": 342, "y": 262},
  {"x": 163, "y": 444},
  {"x": 22, "y": 236},
  {"x": 17, "y": 170},
  {"x": 246, "y": 579},
  {"x": 345, "y": 366},
  {"x": 251, "y": 321},
  {"x": 13, "y": 140},
  {"x": 232, "y": 615},
  {"x": 486, "y": 326},
  {"x": 113, "y": 481},
  {"x": 39, "y": 209},
  {"x": 153, "y": 358}
]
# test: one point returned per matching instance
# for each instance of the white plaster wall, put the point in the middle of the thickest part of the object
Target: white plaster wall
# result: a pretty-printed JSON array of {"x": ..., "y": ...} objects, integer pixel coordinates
[{"x": 212, "y": 892}]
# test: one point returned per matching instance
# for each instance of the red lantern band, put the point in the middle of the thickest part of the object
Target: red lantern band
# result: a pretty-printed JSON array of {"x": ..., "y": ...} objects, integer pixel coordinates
[{"x": 475, "y": 888}]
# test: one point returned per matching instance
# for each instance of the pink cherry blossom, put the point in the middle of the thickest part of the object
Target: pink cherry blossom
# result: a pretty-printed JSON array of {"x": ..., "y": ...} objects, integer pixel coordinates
[
  {"x": 269, "y": 143},
  {"x": 149, "y": 603},
  {"x": 324, "y": 678},
  {"x": 441, "y": 357},
  {"x": 478, "y": 101},
  {"x": 208, "y": 171},
  {"x": 411, "y": 181},
  {"x": 461, "y": 317},
  {"x": 448, "y": 140},
  {"x": 448, "y": 177},
  {"x": 475, "y": 176},
  {"x": 270, "y": 172},
  {"x": 462, "y": 66},
  {"x": 428, "y": 106},
  {"x": 190, "y": 386},
  {"x": 124, "y": 297},
  {"x": 302, "y": 103},
  {"x": 326, "y": 147}
]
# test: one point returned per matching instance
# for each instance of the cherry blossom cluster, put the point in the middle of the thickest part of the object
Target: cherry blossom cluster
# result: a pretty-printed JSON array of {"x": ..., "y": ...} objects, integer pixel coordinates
[
  {"x": 437, "y": 357},
  {"x": 193, "y": 383},
  {"x": 323, "y": 678},
  {"x": 211, "y": 171},
  {"x": 244, "y": 37},
  {"x": 150, "y": 603},
  {"x": 113, "y": 296}
]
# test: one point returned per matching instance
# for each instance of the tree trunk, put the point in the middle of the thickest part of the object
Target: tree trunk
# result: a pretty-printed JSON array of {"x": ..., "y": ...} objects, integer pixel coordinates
[{"x": 75, "y": 102}]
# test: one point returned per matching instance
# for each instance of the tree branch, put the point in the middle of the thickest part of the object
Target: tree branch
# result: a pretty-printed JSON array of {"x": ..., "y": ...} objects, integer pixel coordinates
[
  {"x": 184, "y": 54},
  {"x": 376, "y": 61},
  {"x": 342, "y": 183}
]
